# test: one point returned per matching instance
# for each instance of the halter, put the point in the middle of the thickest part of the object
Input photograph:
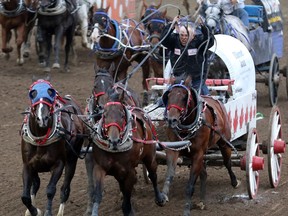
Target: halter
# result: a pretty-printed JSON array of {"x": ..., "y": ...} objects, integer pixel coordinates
[
  {"x": 199, "y": 108},
  {"x": 100, "y": 129}
]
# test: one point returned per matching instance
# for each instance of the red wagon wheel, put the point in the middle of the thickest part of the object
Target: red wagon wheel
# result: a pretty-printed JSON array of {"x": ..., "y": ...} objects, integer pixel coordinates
[
  {"x": 273, "y": 80},
  {"x": 254, "y": 163},
  {"x": 276, "y": 146}
]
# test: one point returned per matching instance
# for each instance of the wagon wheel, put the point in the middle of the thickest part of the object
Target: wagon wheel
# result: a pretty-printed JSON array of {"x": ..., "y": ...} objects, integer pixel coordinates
[
  {"x": 275, "y": 147},
  {"x": 273, "y": 80},
  {"x": 254, "y": 163}
]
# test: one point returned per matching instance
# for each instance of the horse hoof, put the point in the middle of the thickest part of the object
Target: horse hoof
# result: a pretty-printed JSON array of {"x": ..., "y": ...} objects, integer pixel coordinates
[
  {"x": 39, "y": 213},
  {"x": 7, "y": 56},
  {"x": 166, "y": 198},
  {"x": 47, "y": 69},
  {"x": 238, "y": 184},
  {"x": 20, "y": 61},
  {"x": 56, "y": 66},
  {"x": 200, "y": 205}
]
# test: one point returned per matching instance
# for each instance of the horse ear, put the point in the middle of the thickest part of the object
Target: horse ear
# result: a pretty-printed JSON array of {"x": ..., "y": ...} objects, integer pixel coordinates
[
  {"x": 188, "y": 81},
  {"x": 157, "y": 6},
  {"x": 32, "y": 94},
  {"x": 164, "y": 13},
  {"x": 145, "y": 5},
  {"x": 94, "y": 8},
  {"x": 107, "y": 8}
]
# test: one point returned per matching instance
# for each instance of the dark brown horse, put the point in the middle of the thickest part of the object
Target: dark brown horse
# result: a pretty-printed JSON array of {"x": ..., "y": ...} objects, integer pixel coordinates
[
  {"x": 17, "y": 15},
  {"x": 58, "y": 18},
  {"x": 51, "y": 139},
  {"x": 103, "y": 84},
  {"x": 204, "y": 122},
  {"x": 122, "y": 139},
  {"x": 121, "y": 43}
]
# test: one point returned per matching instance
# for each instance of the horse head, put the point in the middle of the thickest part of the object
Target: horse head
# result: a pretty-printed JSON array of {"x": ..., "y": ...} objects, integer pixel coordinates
[
  {"x": 115, "y": 120},
  {"x": 149, "y": 9},
  {"x": 101, "y": 22},
  {"x": 213, "y": 14},
  {"x": 179, "y": 101},
  {"x": 42, "y": 96},
  {"x": 102, "y": 83},
  {"x": 155, "y": 26}
]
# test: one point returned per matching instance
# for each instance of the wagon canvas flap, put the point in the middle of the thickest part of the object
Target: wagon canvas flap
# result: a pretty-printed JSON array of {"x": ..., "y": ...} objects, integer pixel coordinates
[{"x": 238, "y": 61}]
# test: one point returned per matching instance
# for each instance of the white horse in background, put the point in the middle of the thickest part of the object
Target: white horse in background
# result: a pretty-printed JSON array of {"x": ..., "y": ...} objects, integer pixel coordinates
[
  {"x": 226, "y": 24},
  {"x": 83, "y": 20}
]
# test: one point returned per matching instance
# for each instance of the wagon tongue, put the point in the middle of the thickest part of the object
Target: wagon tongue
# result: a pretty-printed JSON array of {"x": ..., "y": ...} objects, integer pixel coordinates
[{"x": 177, "y": 146}]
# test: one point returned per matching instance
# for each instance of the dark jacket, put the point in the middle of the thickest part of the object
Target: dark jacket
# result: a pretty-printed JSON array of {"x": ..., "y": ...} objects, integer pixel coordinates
[{"x": 192, "y": 58}]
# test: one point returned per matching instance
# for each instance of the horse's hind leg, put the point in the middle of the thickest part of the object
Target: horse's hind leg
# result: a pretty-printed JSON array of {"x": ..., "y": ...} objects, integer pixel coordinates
[
  {"x": 226, "y": 153},
  {"x": 6, "y": 37},
  {"x": 30, "y": 180},
  {"x": 68, "y": 45}
]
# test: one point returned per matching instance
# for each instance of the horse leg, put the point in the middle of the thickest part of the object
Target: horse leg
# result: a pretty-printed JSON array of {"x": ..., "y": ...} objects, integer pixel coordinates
[
  {"x": 195, "y": 170},
  {"x": 51, "y": 188},
  {"x": 68, "y": 45},
  {"x": 65, "y": 189},
  {"x": 203, "y": 180},
  {"x": 27, "y": 42},
  {"x": 145, "y": 74},
  {"x": 89, "y": 164},
  {"x": 83, "y": 17},
  {"x": 28, "y": 179},
  {"x": 98, "y": 179},
  {"x": 57, "y": 45},
  {"x": 226, "y": 153},
  {"x": 19, "y": 41},
  {"x": 6, "y": 37},
  {"x": 171, "y": 160},
  {"x": 126, "y": 186},
  {"x": 152, "y": 170}
]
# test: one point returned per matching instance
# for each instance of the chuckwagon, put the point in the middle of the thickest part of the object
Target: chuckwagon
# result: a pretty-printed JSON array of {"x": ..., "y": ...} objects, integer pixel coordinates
[
  {"x": 266, "y": 38},
  {"x": 239, "y": 96}
]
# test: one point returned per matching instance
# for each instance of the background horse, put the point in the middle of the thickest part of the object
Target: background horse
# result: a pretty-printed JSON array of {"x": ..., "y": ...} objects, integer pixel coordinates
[
  {"x": 59, "y": 18},
  {"x": 204, "y": 122},
  {"x": 14, "y": 15},
  {"x": 51, "y": 140},
  {"x": 121, "y": 43},
  {"x": 123, "y": 138}
]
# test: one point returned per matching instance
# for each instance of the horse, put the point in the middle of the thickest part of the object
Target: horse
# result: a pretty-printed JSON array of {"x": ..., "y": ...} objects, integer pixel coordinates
[
  {"x": 51, "y": 139},
  {"x": 83, "y": 14},
  {"x": 121, "y": 43},
  {"x": 155, "y": 22},
  {"x": 203, "y": 121},
  {"x": 59, "y": 18},
  {"x": 17, "y": 15},
  {"x": 103, "y": 84},
  {"x": 221, "y": 23},
  {"x": 123, "y": 137}
]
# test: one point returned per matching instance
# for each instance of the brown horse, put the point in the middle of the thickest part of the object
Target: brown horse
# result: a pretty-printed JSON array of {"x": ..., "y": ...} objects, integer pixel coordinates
[
  {"x": 122, "y": 139},
  {"x": 51, "y": 139},
  {"x": 18, "y": 15},
  {"x": 103, "y": 84},
  {"x": 204, "y": 122},
  {"x": 121, "y": 43}
]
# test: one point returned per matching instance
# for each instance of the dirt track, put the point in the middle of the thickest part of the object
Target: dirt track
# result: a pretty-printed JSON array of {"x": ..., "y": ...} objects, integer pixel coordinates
[{"x": 222, "y": 199}]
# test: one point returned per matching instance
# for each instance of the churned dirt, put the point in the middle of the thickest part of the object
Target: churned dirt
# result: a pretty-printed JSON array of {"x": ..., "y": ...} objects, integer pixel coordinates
[{"x": 222, "y": 199}]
